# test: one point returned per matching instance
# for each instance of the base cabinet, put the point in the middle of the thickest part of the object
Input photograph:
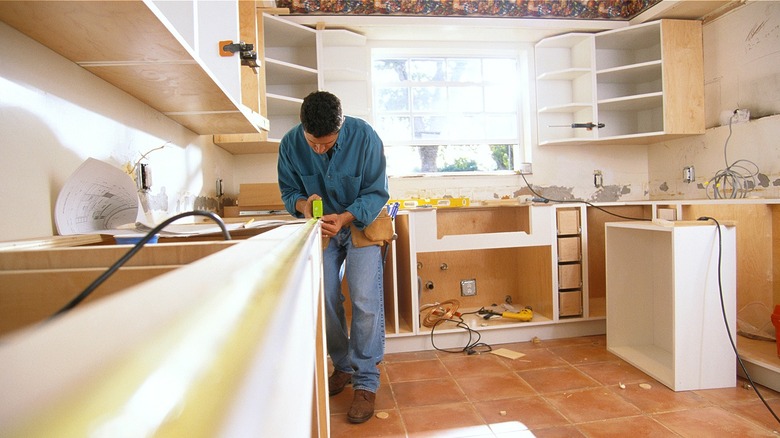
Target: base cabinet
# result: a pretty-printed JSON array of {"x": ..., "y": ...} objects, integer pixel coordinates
[{"x": 664, "y": 311}]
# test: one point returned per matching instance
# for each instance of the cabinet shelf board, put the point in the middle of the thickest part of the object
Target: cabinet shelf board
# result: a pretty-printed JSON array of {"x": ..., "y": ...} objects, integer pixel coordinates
[
  {"x": 565, "y": 74},
  {"x": 283, "y": 105},
  {"x": 564, "y": 41},
  {"x": 241, "y": 144},
  {"x": 128, "y": 45},
  {"x": 634, "y": 37},
  {"x": 342, "y": 37},
  {"x": 632, "y": 103},
  {"x": 568, "y": 108},
  {"x": 279, "y": 32},
  {"x": 631, "y": 74},
  {"x": 651, "y": 359},
  {"x": 284, "y": 73}
]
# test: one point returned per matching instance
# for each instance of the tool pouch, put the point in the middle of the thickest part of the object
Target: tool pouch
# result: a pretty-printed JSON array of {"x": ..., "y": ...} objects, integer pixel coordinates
[{"x": 376, "y": 233}]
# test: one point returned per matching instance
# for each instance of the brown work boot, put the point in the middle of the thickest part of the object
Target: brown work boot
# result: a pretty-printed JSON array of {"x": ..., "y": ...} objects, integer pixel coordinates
[
  {"x": 337, "y": 381},
  {"x": 362, "y": 406}
]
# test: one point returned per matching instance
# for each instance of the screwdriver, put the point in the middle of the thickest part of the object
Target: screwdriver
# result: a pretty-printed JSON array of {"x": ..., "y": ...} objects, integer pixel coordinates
[{"x": 589, "y": 126}]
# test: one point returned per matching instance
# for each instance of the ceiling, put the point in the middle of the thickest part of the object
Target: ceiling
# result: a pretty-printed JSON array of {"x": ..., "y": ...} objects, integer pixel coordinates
[{"x": 491, "y": 20}]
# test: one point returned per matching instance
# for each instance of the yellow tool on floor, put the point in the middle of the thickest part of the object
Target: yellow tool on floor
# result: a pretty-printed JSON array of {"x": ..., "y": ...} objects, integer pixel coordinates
[{"x": 526, "y": 314}]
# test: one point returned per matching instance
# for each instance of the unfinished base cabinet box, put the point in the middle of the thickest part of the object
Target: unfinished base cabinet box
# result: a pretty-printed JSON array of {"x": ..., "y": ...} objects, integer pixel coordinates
[{"x": 664, "y": 301}]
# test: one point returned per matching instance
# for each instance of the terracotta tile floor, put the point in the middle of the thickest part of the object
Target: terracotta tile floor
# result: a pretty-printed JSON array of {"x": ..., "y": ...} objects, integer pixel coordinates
[{"x": 560, "y": 388}]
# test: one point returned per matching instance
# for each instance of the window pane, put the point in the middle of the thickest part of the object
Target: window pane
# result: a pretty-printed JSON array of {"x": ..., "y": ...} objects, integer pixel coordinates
[
  {"x": 449, "y": 158},
  {"x": 392, "y": 99},
  {"x": 429, "y": 127},
  {"x": 465, "y": 99},
  {"x": 498, "y": 70},
  {"x": 500, "y": 99},
  {"x": 467, "y": 127},
  {"x": 426, "y": 99},
  {"x": 464, "y": 70},
  {"x": 390, "y": 70},
  {"x": 427, "y": 69},
  {"x": 394, "y": 129},
  {"x": 498, "y": 126}
]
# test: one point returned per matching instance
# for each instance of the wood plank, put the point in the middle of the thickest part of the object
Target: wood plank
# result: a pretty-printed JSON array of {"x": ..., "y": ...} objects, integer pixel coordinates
[
  {"x": 104, "y": 256},
  {"x": 479, "y": 220},
  {"x": 405, "y": 274},
  {"x": 56, "y": 242},
  {"x": 31, "y": 296},
  {"x": 260, "y": 196},
  {"x": 683, "y": 76}
]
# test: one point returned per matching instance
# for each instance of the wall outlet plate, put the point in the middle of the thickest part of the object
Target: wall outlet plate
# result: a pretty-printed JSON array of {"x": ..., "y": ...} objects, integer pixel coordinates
[{"x": 468, "y": 288}]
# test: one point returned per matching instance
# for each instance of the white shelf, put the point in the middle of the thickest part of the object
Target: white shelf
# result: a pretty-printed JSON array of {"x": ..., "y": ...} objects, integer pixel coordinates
[
  {"x": 632, "y": 103},
  {"x": 633, "y": 74},
  {"x": 284, "y": 73},
  {"x": 565, "y": 74},
  {"x": 568, "y": 108}
]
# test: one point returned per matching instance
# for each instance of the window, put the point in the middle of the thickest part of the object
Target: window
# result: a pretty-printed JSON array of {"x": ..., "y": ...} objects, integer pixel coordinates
[{"x": 439, "y": 113}]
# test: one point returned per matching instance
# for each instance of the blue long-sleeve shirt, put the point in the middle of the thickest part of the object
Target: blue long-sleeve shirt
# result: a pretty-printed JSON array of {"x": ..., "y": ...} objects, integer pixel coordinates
[{"x": 354, "y": 179}]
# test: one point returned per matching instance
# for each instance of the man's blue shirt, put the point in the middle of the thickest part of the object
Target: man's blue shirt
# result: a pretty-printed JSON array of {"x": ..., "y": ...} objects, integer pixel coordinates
[{"x": 354, "y": 179}]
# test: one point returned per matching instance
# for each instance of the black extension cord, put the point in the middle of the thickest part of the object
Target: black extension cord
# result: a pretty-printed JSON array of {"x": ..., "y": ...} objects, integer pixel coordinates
[
  {"x": 725, "y": 320},
  {"x": 137, "y": 247},
  {"x": 540, "y": 198}
]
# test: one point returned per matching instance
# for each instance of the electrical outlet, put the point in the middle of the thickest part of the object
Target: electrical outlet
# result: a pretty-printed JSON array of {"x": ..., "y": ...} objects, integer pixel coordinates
[
  {"x": 525, "y": 169},
  {"x": 741, "y": 115},
  {"x": 468, "y": 288}
]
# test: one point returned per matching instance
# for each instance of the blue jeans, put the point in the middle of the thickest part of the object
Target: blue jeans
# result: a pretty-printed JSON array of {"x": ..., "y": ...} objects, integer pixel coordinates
[{"x": 359, "y": 350}]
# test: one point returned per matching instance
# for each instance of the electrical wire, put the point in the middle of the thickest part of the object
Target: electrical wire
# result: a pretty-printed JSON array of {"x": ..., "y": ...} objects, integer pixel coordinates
[
  {"x": 137, "y": 247},
  {"x": 725, "y": 319},
  {"x": 446, "y": 311},
  {"x": 736, "y": 179},
  {"x": 578, "y": 200}
]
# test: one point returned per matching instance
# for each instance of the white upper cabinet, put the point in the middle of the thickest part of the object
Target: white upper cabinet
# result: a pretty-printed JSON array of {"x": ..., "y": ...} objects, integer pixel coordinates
[
  {"x": 643, "y": 83},
  {"x": 163, "y": 53},
  {"x": 345, "y": 65}
]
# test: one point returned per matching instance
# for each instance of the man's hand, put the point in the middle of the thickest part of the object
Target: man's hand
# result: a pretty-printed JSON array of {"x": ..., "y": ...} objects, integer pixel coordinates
[
  {"x": 332, "y": 223},
  {"x": 304, "y": 206}
]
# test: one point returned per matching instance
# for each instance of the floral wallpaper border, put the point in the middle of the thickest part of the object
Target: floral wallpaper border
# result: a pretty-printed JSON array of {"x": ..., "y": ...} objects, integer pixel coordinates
[{"x": 561, "y": 9}]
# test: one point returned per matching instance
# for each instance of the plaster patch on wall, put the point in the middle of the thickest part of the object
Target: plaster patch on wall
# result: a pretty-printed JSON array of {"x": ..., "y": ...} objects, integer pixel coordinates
[
  {"x": 206, "y": 203},
  {"x": 776, "y": 182},
  {"x": 610, "y": 193},
  {"x": 664, "y": 187},
  {"x": 557, "y": 193},
  {"x": 158, "y": 201}
]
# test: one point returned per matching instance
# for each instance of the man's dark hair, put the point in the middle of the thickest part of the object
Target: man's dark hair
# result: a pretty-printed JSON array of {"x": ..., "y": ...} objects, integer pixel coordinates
[{"x": 321, "y": 114}]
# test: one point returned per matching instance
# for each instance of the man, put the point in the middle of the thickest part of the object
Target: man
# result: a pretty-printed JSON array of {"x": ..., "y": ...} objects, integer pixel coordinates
[{"x": 341, "y": 160}]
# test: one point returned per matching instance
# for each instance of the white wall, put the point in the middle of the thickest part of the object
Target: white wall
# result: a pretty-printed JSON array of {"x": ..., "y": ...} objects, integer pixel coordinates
[
  {"x": 54, "y": 115},
  {"x": 741, "y": 70}
]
